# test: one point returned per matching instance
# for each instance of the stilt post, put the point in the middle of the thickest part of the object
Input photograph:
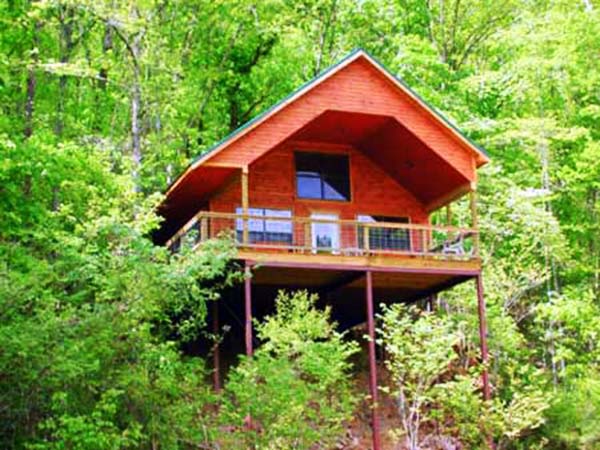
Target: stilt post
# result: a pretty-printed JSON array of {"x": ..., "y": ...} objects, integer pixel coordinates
[
  {"x": 484, "y": 348},
  {"x": 483, "y": 338},
  {"x": 248, "y": 309},
  {"x": 372, "y": 362}
]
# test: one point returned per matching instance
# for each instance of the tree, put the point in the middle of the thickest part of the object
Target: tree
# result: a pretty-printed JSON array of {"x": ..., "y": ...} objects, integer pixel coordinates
[
  {"x": 419, "y": 352},
  {"x": 295, "y": 392},
  {"x": 89, "y": 309}
]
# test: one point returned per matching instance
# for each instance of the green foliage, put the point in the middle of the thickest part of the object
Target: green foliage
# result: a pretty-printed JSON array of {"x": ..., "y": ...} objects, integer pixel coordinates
[
  {"x": 88, "y": 306},
  {"x": 573, "y": 418},
  {"x": 432, "y": 390},
  {"x": 420, "y": 349},
  {"x": 295, "y": 392}
]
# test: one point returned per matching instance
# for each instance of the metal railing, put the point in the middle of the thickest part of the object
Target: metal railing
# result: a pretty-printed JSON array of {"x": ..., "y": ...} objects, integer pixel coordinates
[{"x": 316, "y": 235}]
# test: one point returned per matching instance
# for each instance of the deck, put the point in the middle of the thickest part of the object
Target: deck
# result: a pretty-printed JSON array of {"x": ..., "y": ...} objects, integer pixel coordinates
[{"x": 408, "y": 261}]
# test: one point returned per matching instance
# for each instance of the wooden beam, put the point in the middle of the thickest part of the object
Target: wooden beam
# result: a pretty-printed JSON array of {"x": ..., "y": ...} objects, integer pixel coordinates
[
  {"x": 342, "y": 281},
  {"x": 248, "y": 309},
  {"x": 439, "y": 288},
  {"x": 448, "y": 198},
  {"x": 380, "y": 263},
  {"x": 485, "y": 380},
  {"x": 372, "y": 361},
  {"x": 483, "y": 338},
  {"x": 245, "y": 205},
  {"x": 222, "y": 165},
  {"x": 474, "y": 221}
]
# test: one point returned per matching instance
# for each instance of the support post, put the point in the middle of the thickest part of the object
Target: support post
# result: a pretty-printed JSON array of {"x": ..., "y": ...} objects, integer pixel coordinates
[
  {"x": 307, "y": 236},
  {"x": 203, "y": 229},
  {"x": 372, "y": 362},
  {"x": 248, "y": 309},
  {"x": 245, "y": 206},
  {"x": 474, "y": 221},
  {"x": 484, "y": 348},
  {"x": 448, "y": 215},
  {"x": 483, "y": 338},
  {"x": 366, "y": 238},
  {"x": 216, "y": 354}
]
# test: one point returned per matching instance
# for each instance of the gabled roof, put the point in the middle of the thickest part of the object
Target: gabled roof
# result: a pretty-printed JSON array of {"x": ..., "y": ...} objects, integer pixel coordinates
[
  {"x": 482, "y": 155},
  {"x": 393, "y": 125}
]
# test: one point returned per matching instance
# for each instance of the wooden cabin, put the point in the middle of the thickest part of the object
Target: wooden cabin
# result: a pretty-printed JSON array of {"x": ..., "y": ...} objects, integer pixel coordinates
[{"x": 333, "y": 189}]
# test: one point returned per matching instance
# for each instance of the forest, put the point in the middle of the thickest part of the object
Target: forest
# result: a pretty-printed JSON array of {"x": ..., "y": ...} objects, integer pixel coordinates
[{"x": 105, "y": 102}]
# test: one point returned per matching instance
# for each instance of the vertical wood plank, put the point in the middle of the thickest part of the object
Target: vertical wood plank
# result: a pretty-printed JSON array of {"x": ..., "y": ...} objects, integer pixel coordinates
[
  {"x": 474, "y": 221},
  {"x": 245, "y": 206},
  {"x": 203, "y": 229},
  {"x": 307, "y": 236}
]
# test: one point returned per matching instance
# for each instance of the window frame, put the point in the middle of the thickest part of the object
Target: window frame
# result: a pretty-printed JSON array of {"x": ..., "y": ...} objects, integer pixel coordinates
[
  {"x": 323, "y": 176},
  {"x": 262, "y": 235}
]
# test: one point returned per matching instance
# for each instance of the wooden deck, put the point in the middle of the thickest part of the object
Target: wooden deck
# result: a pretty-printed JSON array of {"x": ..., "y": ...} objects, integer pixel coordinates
[
  {"x": 408, "y": 261},
  {"x": 376, "y": 263},
  {"x": 356, "y": 242}
]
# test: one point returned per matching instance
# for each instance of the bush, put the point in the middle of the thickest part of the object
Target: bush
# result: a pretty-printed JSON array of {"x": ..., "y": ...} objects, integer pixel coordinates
[{"x": 295, "y": 392}]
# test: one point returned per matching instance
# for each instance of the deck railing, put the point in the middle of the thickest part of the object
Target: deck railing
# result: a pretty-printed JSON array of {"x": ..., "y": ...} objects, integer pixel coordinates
[{"x": 343, "y": 237}]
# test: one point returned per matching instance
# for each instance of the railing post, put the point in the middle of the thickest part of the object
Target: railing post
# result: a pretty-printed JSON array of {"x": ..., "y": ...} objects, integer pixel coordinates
[
  {"x": 474, "y": 221},
  {"x": 203, "y": 229},
  {"x": 307, "y": 236},
  {"x": 245, "y": 206},
  {"x": 366, "y": 243}
]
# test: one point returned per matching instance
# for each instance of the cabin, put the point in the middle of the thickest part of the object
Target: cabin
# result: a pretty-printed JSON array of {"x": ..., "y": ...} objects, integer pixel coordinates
[{"x": 334, "y": 189}]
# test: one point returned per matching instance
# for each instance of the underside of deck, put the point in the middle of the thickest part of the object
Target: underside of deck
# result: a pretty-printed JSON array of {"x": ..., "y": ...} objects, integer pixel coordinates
[{"x": 340, "y": 281}]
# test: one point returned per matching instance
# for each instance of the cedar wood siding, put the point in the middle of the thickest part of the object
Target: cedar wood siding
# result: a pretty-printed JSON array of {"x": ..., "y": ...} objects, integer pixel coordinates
[
  {"x": 272, "y": 184},
  {"x": 358, "y": 88}
]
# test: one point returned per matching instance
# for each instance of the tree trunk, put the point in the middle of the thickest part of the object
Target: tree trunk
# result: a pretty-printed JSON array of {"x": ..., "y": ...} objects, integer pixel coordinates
[
  {"x": 66, "y": 45},
  {"x": 30, "y": 102},
  {"x": 107, "y": 45},
  {"x": 136, "y": 101},
  {"x": 31, "y": 84}
]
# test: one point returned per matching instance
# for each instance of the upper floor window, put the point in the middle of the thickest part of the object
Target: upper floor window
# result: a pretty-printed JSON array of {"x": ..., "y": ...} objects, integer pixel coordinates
[{"x": 322, "y": 176}]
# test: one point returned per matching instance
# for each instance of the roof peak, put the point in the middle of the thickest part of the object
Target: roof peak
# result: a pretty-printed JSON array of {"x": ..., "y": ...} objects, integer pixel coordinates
[{"x": 356, "y": 53}]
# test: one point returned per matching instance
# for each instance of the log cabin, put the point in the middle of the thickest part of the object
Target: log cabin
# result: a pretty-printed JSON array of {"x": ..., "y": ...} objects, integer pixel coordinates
[{"x": 333, "y": 189}]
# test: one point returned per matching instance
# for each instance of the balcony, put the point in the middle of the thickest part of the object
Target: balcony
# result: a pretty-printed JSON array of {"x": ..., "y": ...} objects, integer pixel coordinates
[{"x": 365, "y": 241}]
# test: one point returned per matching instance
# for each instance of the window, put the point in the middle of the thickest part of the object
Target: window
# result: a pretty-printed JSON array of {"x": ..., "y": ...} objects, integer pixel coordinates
[
  {"x": 266, "y": 231},
  {"x": 322, "y": 176},
  {"x": 382, "y": 238}
]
